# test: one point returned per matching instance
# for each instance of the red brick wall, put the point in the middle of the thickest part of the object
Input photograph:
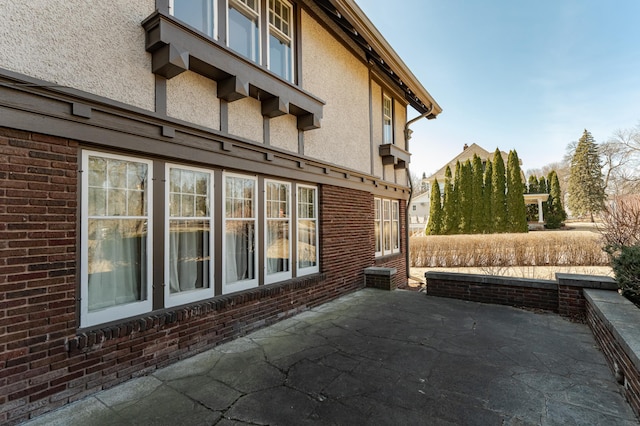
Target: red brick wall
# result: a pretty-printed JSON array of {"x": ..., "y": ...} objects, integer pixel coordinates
[
  {"x": 38, "y": 200},
  {"x": 616, "y": 356},
  {"x": 501, "y": 294},
  {"x": 44, "y": 363}
]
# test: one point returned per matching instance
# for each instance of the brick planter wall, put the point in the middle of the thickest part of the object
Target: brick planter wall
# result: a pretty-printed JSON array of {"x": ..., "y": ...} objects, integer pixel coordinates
[
  {"x": 45, "y": 363},
  {"x": 538, "y": 294},
  {"x": 564, "y": 296},
  {"x": 613, "y": 320}
]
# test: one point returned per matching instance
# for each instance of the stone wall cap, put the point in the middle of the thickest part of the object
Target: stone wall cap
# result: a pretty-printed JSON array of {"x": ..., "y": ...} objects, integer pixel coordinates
[
  {"x": 587, "y": 281},
  {"x": 491, "y": 279},
  {"x": 379, "y": 270}
]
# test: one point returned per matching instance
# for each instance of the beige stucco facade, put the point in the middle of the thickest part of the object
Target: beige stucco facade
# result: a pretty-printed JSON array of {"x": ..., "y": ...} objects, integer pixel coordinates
[
  {"x": 343, "y": 138},
  {"x": 245, "y": 119},
  {"x": 193, "y": 98},
  {"x": 40, "y": 39},
  {"x": 283, "y": 133}
]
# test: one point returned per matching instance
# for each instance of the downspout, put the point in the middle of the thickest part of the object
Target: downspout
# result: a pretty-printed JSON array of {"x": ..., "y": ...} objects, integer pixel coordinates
[{"x": 407, "y": 136}]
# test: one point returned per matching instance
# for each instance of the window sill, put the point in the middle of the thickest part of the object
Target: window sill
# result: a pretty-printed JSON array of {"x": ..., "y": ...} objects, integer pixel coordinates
[
  {"x": 391, "y": 154},
  {"x": 176, "y": 48},
  {"x": 88, "y": 338}
]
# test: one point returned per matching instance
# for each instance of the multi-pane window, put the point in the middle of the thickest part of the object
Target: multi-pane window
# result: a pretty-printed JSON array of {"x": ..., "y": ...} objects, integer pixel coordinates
[
  {"x": 188, "y": 265},
  {"x": 244, "y": 28},
  {"x": 240, "y": 228},
  {"x": 245, "y": 32},
  {"x": 277, "y": 231},
  {"x": 117, "y": 226},
  {"x": 307, "y": 229},
  {"x": 386, "y": 226},
  {"x": 200, "y": 14},
  {"x": 378, "y": 225},
  {"x": 280, "y": 39},
  {"x": 387, "y": 119},
  {"x": 116, "y": 262},
  {"x": 395, "y": 227}
]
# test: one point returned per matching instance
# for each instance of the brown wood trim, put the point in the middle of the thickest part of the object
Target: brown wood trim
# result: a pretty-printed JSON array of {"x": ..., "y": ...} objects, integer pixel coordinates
[{"x": 43, "y": 110}]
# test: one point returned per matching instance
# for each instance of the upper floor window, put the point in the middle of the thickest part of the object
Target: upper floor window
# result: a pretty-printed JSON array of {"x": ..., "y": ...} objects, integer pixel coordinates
[
  {"x": 281, "y": 38},
  {"x": 387, "y": 119},
  {"x": 200, "y": 14},
  {"x": 244, "y": 28},
  {"x": 245, "y": 34}
]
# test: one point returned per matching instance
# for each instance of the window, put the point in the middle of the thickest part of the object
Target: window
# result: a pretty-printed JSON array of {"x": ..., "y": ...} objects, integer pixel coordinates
[
  {"x": 378, "y": 227},
  {"x": 387, "y": 119},
  {"x": 244, "y": 32},
  {"x": 395, "y": 227},
  {"x": 189, "y": 242},
  {"x": 115, "y": 262},
  {"x": 240, "y": 233},
  {"x": 200, "y": 14},
  {"x": 307, "y": 230},
  {"x": 277, "y": 231},
  {"x": 280, "y": 39},
  {"x": 244, "y": 28},
  {"x": 386, "y": 226}
]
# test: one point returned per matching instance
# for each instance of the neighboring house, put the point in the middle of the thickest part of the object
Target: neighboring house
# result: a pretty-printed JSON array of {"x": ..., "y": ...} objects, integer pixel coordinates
[
  {"x": 419, "y": 213},
  {"x": 177, "y": 173},
  {"x": 418, "y": 203}
]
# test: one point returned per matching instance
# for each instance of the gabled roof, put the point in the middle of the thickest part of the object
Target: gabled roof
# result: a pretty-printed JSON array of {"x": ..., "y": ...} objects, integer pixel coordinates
[
  {"x": 466, "y": 154},
  {"x": 348, "y": 15}
]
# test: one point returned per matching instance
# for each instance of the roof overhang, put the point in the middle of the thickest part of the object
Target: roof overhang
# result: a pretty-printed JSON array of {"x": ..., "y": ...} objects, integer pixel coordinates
[{"x": 348, "y": 15}]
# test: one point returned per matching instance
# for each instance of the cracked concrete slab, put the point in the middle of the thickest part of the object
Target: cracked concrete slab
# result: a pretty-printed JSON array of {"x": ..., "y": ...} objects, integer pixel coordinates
[{"x": 383, "y": 358}]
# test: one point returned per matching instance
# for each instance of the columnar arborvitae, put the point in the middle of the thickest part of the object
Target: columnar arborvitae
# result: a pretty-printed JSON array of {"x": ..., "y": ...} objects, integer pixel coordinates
[
  {"x": 487, "y": 206},
  {"x": 554, "y": 213},
  {"x": 465, "y": 197},
  {"x": 532, "y": 188},
  {"x": 586, "y": 185},
  {"x": 516, "y": 211},
  {"x": 477, "y": 184},
  {"x": 449, "y": 207},
  {"x": 498, "y": 194},
  {"x": 543, "y": 187},
  {"x": 434, "y": 226}
]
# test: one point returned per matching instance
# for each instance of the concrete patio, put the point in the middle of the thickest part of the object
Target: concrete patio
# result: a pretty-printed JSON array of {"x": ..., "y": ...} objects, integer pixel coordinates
[{"x": 379, "y": 358}]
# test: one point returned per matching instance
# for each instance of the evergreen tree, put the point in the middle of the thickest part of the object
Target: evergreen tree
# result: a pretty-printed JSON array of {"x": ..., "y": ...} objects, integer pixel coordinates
[
  {"x": 516, "y": 211},
  {"x": 449, "y": 205},
  {"x": 487, "y": 206},
  {"x": 532, "y": 188},
  {"x": 434, "y": 226},
  {"x": 498, "y": 194},
  {"x": 554, "y": 213},
  {"x": 586, "y": 184},
  {"x": 532, "y": 185},
  {"x": 543, "y": 187},
  {"x": 477, "y": 183},
  {"x": 465, "y": 197}
]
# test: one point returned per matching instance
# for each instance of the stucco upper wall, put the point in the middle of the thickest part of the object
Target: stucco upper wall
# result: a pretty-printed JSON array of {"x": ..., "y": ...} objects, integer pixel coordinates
[
  {"x": 94, "y": 46},
  {"x": 245, "y": 119},
  {"x": 193, "y": 98},
  {"x": 332, "y": 73}
]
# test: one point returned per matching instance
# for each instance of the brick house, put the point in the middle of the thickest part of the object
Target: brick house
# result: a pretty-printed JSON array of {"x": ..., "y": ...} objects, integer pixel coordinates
[{"x": 175, "y": 174}]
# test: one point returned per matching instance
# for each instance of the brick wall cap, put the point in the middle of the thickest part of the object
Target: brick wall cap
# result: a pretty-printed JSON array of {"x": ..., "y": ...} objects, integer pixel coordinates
[
  {"x": 587, "y": 281},
  {"x": 621, "y": 317},
  {"x": 379, "y": 270},
  {"x": 480, "y": 279}
]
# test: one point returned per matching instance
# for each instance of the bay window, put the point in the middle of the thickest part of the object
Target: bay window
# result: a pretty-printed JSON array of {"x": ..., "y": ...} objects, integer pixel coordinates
[
  {"x": 307, "y": 229},
  {"x": 188, "y": 245},
  {"x": 277, "y": 231},
  {"x": 240, "y": 229},
  {"x": 115, "y": 209},
  {"x": 248, "y": 24}
]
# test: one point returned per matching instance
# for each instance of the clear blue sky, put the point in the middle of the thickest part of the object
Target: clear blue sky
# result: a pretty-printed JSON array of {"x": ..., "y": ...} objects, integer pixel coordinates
[{"x": 515, "y": 74}]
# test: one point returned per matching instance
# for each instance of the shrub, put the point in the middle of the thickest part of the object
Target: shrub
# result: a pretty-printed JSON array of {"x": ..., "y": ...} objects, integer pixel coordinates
[{"x": 626, "y": 267}]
